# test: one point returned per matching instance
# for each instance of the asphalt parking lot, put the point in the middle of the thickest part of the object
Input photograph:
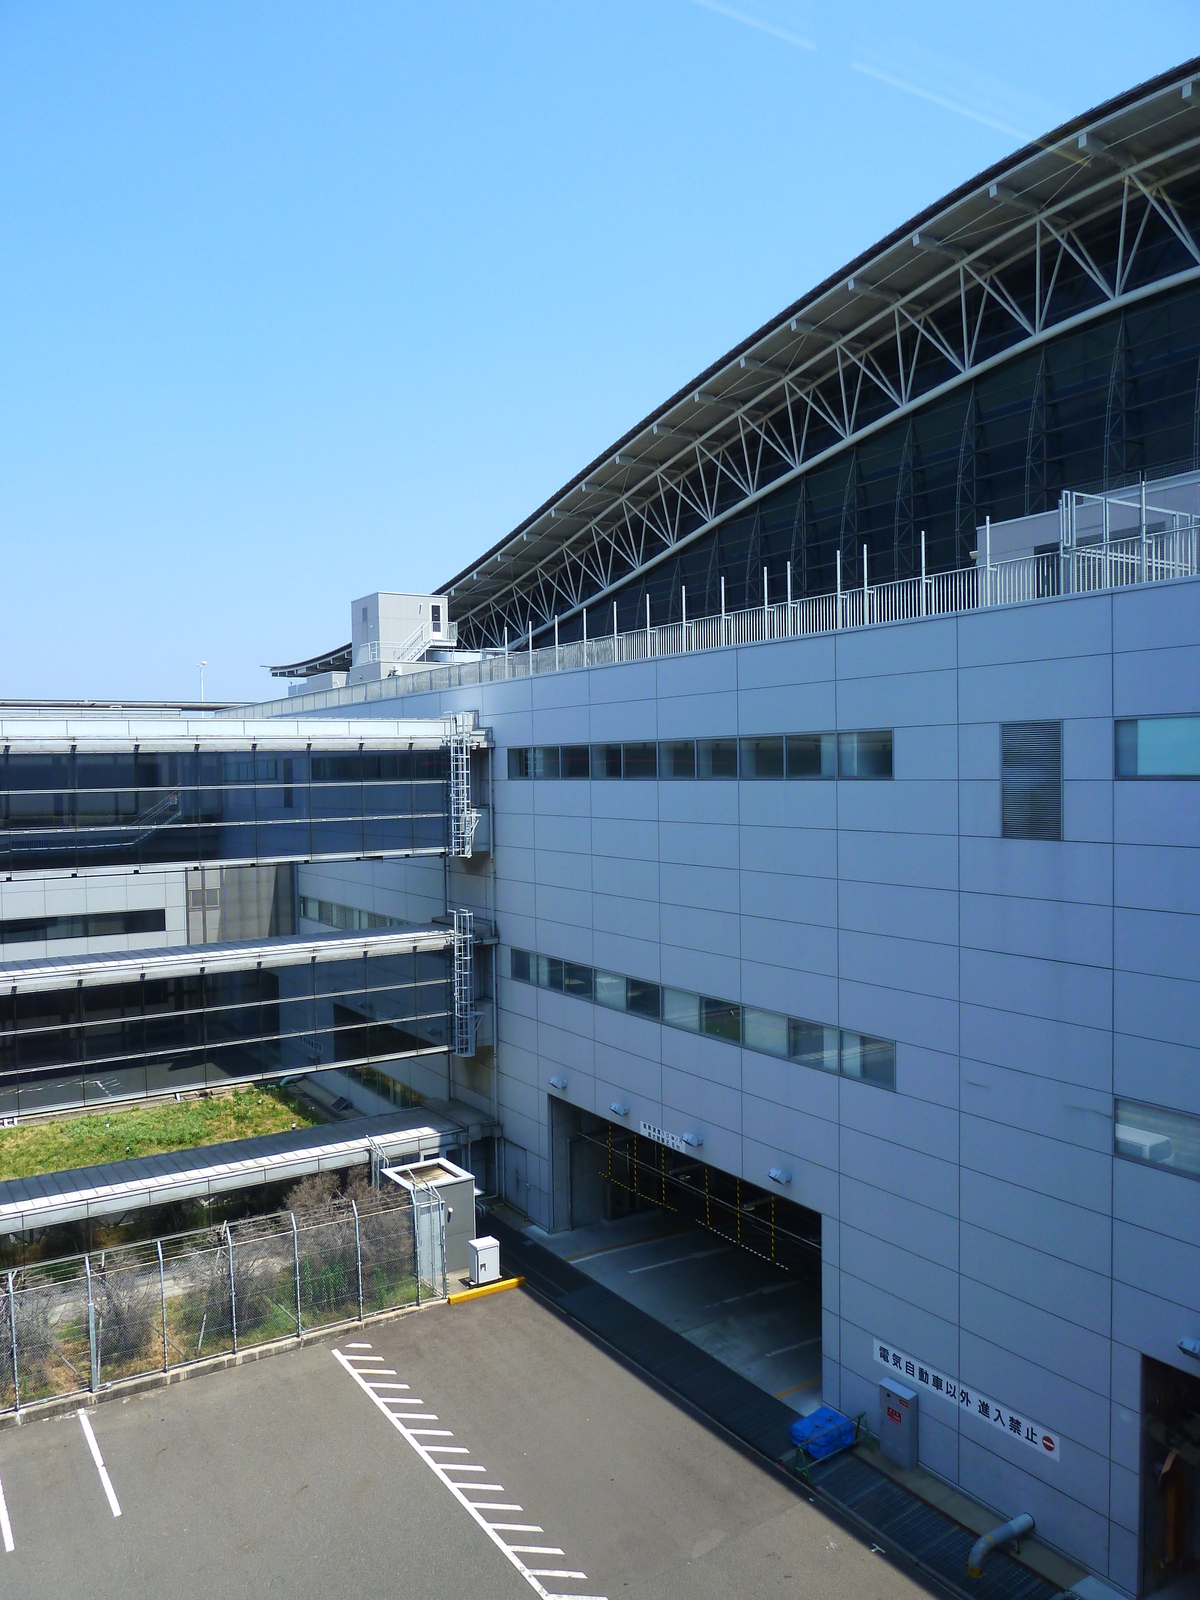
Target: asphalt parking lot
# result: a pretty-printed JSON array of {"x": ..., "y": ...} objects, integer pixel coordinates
[{"x": 485, "y": 1449}]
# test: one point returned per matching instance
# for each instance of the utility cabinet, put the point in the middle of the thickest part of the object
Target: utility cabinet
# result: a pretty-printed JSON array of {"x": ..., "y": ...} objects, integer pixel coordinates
[{"x": 899, "y": 1413}]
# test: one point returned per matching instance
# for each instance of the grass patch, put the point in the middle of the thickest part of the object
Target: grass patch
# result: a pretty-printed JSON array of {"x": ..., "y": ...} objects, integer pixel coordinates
[{"x": 98, "y": 1136}]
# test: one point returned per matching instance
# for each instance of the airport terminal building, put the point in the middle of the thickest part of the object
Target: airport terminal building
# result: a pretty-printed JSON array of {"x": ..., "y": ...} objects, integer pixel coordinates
[{"x": 819, "y": 767}]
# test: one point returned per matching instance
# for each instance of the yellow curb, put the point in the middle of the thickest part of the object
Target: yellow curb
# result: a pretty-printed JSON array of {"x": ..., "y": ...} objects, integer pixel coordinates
[{"x": 484, "y": 1288}]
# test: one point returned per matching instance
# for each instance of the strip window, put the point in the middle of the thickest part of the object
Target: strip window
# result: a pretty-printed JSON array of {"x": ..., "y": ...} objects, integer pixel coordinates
[
  {"x": 861, "y": 754},
  {"x": 88, "y": 925},
  {"x": 1169, "y": 1140},
  {"x": 1157, "y": 747},
  {"x": 810, "y": 1044}
]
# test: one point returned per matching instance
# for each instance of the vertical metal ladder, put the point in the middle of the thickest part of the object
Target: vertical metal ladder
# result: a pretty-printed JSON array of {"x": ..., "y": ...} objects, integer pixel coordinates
[
  {"x": 463, "y": 818},
  {"x": 466, "y": 1018}
]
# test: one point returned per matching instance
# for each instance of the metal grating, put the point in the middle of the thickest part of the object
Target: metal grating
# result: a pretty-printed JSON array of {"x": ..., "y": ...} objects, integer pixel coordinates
[
  {"x": 935, "y": 1540},
  {"x": 1031, "y": 780}
]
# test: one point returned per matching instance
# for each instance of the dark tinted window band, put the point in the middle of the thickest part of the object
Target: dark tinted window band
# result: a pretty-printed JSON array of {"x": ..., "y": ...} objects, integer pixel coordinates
[
  {"x": 865, "y": 754},
  {"x": 810, "y": 1044},
  {"x": 89, "y": 925}
]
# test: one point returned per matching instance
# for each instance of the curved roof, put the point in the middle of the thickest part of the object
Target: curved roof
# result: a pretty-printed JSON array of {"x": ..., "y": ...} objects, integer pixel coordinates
[
  {"x": 336, "y": 660},
  {"x": 901, "y": 321}
]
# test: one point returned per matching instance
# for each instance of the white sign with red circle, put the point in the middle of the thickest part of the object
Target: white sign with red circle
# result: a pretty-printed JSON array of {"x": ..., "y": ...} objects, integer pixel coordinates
[{"x": 985, "y": 1411}]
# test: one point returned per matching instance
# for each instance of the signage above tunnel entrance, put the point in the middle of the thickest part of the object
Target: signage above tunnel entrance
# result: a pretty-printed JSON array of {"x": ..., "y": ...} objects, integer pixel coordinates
[{"x": 683, "y": 1142}]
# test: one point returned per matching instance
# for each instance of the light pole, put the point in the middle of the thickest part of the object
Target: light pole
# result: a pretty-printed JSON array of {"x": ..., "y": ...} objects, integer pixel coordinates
[{"x": 202, "y": 665}]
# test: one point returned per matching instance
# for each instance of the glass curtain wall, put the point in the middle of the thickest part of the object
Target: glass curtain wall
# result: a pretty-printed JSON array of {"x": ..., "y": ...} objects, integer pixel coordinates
[
  {"x": 73, "y": 810},
  {"x": 1003, "y": 446},
  {"x": 87, "y": 1044}
]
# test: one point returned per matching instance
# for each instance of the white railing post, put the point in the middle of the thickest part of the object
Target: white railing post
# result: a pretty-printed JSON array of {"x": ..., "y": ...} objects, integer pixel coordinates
[
  {"x": 506, "y": 648},
  {"x": 531, "y": 647},
  {"x": 839, "y": 588},
  {"x": 556, "y": 644},
  {"x": 789, "y": 595},
  {"x": 584, "y": 636},
  {"x": 922, "y": 571},
  {"x": 12, "y": 1328},
  {"x": 616, "y": 636},
  {"x": 683, "y": 603},
  {"x": 296, "y": 1260},
  {"x": 1143, "y": 561},
  {"x": 724, "y": 639},
  {"x": 987, "y": 534},
  {"x": 162, "y": 1295},
  {"x": 647, "y": 627},
  {"x": 358, "y": 1255},
  {"x": 866, "y": 591},
  {"x": 92, "y": 1351},
  {"x": 766, "y": 612},
  {"x": 232, "y": 1290}
]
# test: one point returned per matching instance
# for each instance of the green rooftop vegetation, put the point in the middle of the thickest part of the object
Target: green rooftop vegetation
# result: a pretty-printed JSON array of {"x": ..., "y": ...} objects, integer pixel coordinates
[{"x": 94, "y": 1137}]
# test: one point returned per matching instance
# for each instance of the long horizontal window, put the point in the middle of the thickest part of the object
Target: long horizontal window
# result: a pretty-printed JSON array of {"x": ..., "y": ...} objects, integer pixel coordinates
[
  {"x": 87, "y": 925},
  {"x": 864, "y": 754},
  {"x": 94, "y": 1042},
  {"x": 332, "y": 915},
  {"x": 154, "y": 808},
  {"x": 811, "y": 1044},
  {"x": 1161, "y": 1138},
  {"x": 1158, "y": 747}
]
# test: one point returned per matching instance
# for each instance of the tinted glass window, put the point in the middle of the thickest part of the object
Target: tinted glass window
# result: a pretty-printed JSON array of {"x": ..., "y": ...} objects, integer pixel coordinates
[
  {"x": 519, "y": 965},
  {"x": 610, "y": 990},
  {"x": 577, "y": 980},
  {"x": 641, "y": 760},
  {"x": 549, "y": 973},
  {"x": 764, "y": 1030},
  {"x": 716, "y": 758},
  {"x": 643, "y": 998},
  {"x": 722, "y": 1019},
  {"x": 518, "y": 764},
  {"x": 762, "y": 758},
  {"x": 574, "y": 761},
  {"x": 1158, "y": 747},
  {"x": 545, "y": 761},
  {"x": 813, "y": 1045},
  {"x": 865, "y": 755},
  {"x": 677, "y": 759},
  {"x": 872, "y": 1060},
  {"x": 681, "y": 1009},
  {"x": 811, "y": 755},
  {"x": 1161, "y": 1138},
  {"x": 606, "y": 761}
]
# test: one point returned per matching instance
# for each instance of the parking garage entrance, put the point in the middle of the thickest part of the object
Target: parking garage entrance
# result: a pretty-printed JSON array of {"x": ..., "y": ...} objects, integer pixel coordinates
[{"x": 731, "y": 1266}]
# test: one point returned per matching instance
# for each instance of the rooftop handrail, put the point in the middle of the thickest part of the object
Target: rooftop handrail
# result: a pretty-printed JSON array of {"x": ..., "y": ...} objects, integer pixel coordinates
[{"x": 1126, "y": 558}]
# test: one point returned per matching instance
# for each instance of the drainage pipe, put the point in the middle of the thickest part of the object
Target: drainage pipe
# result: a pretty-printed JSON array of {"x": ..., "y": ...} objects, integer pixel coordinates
[{"x": 1006, "y": 1533}]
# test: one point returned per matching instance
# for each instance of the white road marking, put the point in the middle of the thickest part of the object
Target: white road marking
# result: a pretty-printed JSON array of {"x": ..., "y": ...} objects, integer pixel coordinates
[
  {"x": 492, "y": 1505},
  {"x": 357, "y": 1347},
  {"x": 556, "y": 1572},
  {"x": 430, "y": 1433},
  {"x": 442, "y": 1469},
  {"x": 6, "y": 1526},
  {"x": 784, "y": 1348},
  {"x": 99, "y": 1460},
  {"x": 696, "y": 1255}
]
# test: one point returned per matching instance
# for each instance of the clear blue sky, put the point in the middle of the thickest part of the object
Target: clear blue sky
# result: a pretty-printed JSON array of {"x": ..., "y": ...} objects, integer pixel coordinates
[{"x": 299, "y": 301}]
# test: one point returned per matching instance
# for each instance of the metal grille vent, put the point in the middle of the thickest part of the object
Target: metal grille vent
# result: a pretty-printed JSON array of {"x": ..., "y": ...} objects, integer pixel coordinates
[{"x": 1031, "y": 780}]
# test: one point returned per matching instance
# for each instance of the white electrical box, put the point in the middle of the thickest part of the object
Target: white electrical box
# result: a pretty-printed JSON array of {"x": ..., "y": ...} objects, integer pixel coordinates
[{"x": 485, "y": 1260}]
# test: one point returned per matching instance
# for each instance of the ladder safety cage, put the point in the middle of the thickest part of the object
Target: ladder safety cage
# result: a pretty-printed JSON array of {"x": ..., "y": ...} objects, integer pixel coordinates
[
  {"x": 466, "y": 1017},
  {"x": 464, "y": 819}
]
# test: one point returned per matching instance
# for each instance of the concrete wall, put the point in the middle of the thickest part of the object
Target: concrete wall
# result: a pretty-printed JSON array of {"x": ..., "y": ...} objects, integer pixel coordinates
[{"x": 977, "y": 1217}]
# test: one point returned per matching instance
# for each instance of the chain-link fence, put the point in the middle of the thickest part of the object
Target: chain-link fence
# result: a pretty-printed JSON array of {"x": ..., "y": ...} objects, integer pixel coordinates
[{"x": 83, "y": 1323}]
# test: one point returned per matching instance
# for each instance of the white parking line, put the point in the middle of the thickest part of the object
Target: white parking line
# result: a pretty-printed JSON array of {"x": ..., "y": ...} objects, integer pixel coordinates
[
  {"x": 495, "y": 1531},
  {"x": 99, "y": 1460},
  {"x": 696, "y": 1255},
  {"x": 5, "y": 1525}
]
